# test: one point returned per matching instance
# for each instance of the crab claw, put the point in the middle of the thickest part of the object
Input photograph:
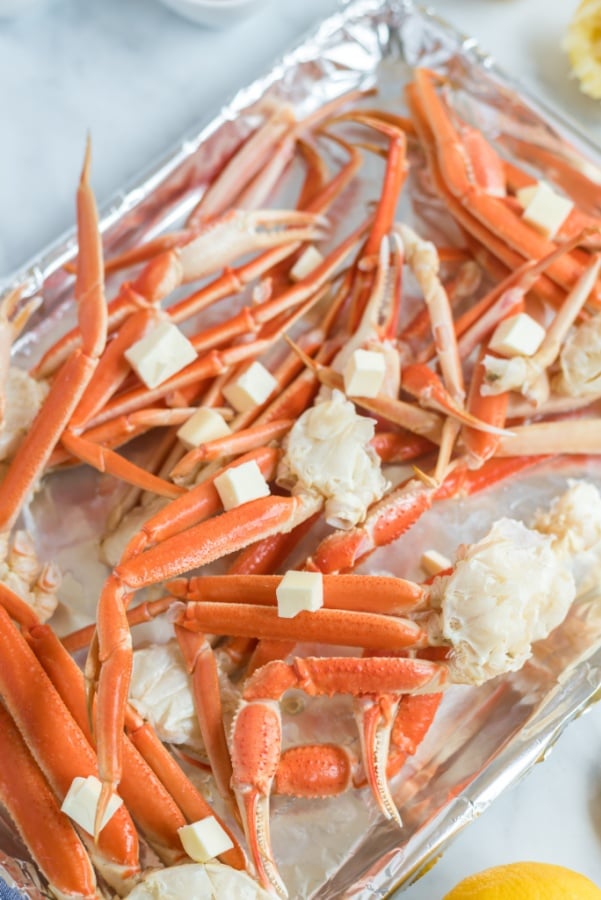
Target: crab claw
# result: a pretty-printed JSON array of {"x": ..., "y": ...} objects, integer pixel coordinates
[
  {"x": 375, "y": 715},
  {"x": 238, "y": 233},
  {"x": 426, "y": 386},
  {"x": 256, "y": 750},
  {"x": 392, "y": 727}
]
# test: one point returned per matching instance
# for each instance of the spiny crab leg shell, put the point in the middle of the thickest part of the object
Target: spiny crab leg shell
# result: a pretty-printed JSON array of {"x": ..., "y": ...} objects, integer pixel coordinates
[
  {"x": 314, "y": 770},
  {"x": 237, "y": 233},
  {"x": 46, "y": 724},
  {"x": 326, "y": 770},
  {"x": 183, "y": 552},
  {"x": 573, "y": 436},
  {"x": 197, "y": 504},
  {"x": 375, "y": 716},
  {"x": 328, "y": 626},
  {"x": 480, "y": 446},
  {"x": 424, "y": 262},
  {"x": 490, "y": 211},
  {"x": 354, "y": 675},
  {"x": 256, "y": 749},
  {"x": 204, "y": 675},
  {"x": 256, "y": 731},
  {"x": 399, "y": 510},
  {"x": 373, "y": 593},
  {"x": 387, "y": 520},
  {"x": 47, "y": 832},
  {"x": 201, "y": 544},
  {"x": 415, "y": 419},
  {"x": 76, "y": 373},
  {"x": 424, "y": 384},
  {"x": 151, "y": 806},
  {"x": 243, "y": 166}
]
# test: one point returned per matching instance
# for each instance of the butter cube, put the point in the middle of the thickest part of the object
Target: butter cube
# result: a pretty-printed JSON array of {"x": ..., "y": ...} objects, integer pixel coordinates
[
  {"x": 205, "y": 839},
  {"x": 204, "y": 425},
  {"x": 306, "y": 263},
  {"x": 251, "y": 388},
  {"x": 526, "y": 194},
  {"x": 545, "y": 210},
  {"x": 364, "y": 373},
  {"x": 241, "y": 484},
  {"x": 81, "y": 801},
  {"x": 434, "y": 562},
  {"x": 298, "y": 592},
  {"x": 519, "y": 335},
  {"x": 160, "y": 354}
]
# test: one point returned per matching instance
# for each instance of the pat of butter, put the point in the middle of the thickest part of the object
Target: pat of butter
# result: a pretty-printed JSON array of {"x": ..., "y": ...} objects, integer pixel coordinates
[
  {"x": 82, "y": 799},
  {"x": 364, "y": 373},
  {"x": 204, "y": 425},
  {"x": 205, "y": 839},
  {"x": 526, "y": 194},
  {"x": 306, "y": 263},
  {"x": 545, "y": 210},
  {"x": 434, "y": 562},
  {"x": 241, "y": 484},
  {"x": 519, "y": 335},
  {"x": 160, "y": 354},
  {"x": 251, "y": 388},
  {"x": 299, "y": 592}
]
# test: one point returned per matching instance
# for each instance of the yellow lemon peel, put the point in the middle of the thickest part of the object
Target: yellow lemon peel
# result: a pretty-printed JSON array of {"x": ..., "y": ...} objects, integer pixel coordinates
[
  {"x": 582, "y": 43},
  {"x": 525, "y": 881}
]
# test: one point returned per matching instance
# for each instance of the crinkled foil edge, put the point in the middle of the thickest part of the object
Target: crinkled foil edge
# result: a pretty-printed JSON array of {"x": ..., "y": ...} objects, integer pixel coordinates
[{"x": 579, "y": 688}]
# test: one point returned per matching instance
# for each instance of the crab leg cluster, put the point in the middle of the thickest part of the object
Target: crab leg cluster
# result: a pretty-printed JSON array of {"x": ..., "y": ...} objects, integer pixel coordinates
[{"x": 379, "y": 350}]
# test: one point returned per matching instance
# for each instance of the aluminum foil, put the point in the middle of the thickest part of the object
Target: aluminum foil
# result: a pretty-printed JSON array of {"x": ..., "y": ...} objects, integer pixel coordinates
[{"x": 483, "y": 739}]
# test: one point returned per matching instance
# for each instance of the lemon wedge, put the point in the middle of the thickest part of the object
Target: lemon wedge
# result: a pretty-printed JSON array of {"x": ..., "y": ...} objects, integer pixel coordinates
[{"x": 582, "y": 43}]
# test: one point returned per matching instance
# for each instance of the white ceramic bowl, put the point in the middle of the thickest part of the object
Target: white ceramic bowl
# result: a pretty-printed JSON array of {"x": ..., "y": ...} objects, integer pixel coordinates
[{"x": 215, "y": 13}]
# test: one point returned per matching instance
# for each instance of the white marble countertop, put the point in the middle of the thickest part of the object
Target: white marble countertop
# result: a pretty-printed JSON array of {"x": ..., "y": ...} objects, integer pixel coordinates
[{"x": 137, "y": 77}]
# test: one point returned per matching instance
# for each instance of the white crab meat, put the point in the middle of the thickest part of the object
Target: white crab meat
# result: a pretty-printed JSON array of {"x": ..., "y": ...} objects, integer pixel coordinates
[
  {"x": 392, "y": 366},
  {"x": 520, "y": 373},
  {"x": 573, "y": 520},
  {"x": 328, "y": 456},
  {"x": 24, "y": 398},
  {"x": 228, "y": 882},
  {"x": 161, "y": 692},
  {"x": 508, "y": 590},
  {"x": 580, "y": 361},
  {"x": 20, "y": 570},
  {"x": 115, "y": 542},
  {"x": 210, "y": 881}
]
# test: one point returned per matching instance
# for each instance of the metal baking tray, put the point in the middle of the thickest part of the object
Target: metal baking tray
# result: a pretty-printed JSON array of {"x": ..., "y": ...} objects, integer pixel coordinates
[{"x": 484, "y": 739}]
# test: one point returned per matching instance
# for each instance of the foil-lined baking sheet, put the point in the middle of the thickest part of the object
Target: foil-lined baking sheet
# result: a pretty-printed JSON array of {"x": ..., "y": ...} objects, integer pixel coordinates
[{"x": 483, "y": 739}]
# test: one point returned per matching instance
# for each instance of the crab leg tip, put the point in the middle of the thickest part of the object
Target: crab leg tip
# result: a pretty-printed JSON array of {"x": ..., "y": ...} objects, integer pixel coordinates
[
  {"x": 87, "y": 160},
  {"x": 106, "y": 792}
]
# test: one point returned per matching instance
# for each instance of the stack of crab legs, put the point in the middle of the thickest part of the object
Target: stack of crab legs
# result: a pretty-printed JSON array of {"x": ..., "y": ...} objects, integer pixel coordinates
[{"x": 459, "y": 437}]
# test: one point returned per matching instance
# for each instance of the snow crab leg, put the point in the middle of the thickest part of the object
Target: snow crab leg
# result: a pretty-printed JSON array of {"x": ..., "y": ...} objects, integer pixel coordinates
[
  {"x": 483, "y": 204},
  {"x": 150, "y": 805},
  {"x": 45, "y": 723},
  {"x": 256, "y": 733},
  {"x": 378, "y": 682},
  {"x": 76, "y": 373},
  {"x": 25, "y": 793}
]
